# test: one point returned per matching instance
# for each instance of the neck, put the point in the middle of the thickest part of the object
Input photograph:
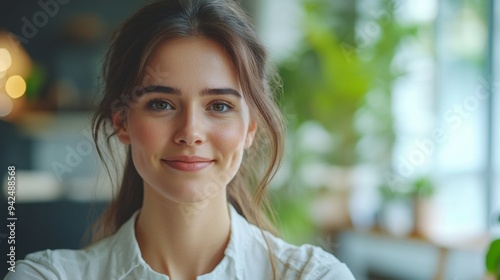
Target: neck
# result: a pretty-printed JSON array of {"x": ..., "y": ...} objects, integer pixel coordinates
[{"x": 183, "y": 240}]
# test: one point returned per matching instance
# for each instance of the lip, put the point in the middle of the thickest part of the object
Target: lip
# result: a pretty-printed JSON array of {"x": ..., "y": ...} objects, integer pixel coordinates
[{"x": 187, "y": 163}]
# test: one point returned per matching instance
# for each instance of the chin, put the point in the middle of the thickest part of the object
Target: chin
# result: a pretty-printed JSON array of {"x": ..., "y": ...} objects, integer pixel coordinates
[{"x": 194, "y": 192}]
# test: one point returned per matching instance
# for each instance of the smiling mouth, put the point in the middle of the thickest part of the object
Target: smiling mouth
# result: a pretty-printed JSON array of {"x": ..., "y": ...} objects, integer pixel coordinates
[{"x": 187, "y": 163}]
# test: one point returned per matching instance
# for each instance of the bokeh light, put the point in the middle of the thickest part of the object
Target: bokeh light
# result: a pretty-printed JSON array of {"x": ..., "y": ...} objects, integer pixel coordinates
[
  {"x": 5, "y": 105},
  {"x": 15, "y": 86},
  {"x": 5, "y": 60}
]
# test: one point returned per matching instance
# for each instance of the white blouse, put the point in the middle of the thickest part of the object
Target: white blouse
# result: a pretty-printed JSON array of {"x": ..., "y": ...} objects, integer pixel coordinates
[{"x": 246, "y": 257}]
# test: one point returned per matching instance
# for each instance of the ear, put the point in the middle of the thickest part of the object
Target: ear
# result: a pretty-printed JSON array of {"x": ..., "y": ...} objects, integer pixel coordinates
[
  {"x": 252, "y": 129},
  {"x": 120, "y": 126}
]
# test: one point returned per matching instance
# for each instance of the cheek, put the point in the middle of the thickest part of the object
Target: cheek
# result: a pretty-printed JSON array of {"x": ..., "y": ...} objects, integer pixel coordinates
[
  {"x": 228, "y": 144},
  {"x": 230, "y": 141},
  {"x": 143, "y": 133},
  {"x": 145, "y": 142}
]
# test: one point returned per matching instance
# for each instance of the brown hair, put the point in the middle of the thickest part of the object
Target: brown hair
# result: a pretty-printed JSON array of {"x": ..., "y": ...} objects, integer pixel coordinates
[{"x": 224, "y": 22}]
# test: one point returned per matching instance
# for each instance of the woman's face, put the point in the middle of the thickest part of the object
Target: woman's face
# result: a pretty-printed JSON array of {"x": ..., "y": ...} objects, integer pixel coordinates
[{"x": 189, "y": 128}]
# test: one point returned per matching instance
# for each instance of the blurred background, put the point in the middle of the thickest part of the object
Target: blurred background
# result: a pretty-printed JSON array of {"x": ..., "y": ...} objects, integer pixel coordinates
[{"x": 393, "y": 135}]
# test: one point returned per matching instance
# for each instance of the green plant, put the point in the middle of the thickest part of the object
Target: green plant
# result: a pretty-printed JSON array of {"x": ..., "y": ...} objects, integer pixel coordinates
[
  {"x": 294, "y": 222},
  {"x": 493, "y": 258},
  {"x": 326, "y": 81},
  {"x": 423, "y": 187},
  {"x": 389, "y": 193}
]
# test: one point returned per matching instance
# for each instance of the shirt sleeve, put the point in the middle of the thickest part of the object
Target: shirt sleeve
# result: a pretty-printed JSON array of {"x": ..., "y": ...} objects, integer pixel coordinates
[
  {"x": 322, "y": 265},
  {"x": 339, "y": 271},
  {"x": 30, "y": 270}
]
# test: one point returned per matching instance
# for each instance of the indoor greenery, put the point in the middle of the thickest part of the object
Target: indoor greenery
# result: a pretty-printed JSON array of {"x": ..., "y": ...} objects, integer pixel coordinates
[{"x": 327, "y": 80}]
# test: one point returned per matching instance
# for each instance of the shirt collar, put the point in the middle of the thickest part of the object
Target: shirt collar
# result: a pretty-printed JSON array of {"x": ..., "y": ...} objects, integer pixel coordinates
[
  {"x": 239, "y": 241},
  {"x": 126, "y": 248},
  {"x": 128, "y": 252}
]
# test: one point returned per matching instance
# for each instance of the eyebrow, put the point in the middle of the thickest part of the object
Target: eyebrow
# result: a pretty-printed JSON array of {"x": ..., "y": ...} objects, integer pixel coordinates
[
  {"x": 160, "y": 89},
  {"x": 176, "y": 91},
  {"x": 220, "y": 91}
]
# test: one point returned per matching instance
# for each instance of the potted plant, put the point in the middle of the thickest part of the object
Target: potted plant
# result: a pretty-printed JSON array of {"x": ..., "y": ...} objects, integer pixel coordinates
[
  {"x": 493, "y": 260},
  {"x": 395, "y": 215},
  {"x": 407, "y": 206},
  {"x": 422, "y": 190}
]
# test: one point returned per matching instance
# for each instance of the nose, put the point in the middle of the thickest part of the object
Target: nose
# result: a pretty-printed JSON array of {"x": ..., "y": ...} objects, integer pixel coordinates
[{"x": 189, "y": 129}]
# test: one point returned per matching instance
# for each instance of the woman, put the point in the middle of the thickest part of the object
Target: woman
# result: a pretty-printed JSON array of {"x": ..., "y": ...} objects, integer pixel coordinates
[{"x": 186, "y": 92}]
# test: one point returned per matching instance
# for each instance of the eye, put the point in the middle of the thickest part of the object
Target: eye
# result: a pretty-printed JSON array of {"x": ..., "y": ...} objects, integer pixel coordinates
[
  {"x": 159, "y": 105},
  {"x": 220, "y": 106}
]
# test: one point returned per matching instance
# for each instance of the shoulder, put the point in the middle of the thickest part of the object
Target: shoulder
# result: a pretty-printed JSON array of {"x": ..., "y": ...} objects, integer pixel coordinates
[
  {"x": 61, "y": 263},
  {"x": 35, "y": 266},
  {"x": 48, "y": 264},
  {"x": 305, "y": 262},
  {"x": 110, "y": 258},
  {"x": 252, "y": 247},
  {"x": 308, "y": 262}
]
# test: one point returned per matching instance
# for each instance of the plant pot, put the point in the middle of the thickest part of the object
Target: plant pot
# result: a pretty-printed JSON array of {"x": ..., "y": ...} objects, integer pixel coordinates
[{"x": 396, "y": 217}]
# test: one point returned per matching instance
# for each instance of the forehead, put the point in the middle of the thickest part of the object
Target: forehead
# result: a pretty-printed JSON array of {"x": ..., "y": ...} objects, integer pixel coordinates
[{"x": 190, "y": 61}]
